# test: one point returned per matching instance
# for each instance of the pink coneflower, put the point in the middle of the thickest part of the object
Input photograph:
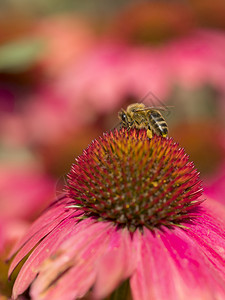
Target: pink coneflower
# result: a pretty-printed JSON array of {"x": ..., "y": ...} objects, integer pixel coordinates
[{"x": 131, "y": 225}]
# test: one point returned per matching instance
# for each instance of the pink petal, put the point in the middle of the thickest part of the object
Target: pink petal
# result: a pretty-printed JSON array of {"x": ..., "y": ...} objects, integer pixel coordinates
[
  {"x": 116, "y": 264},
  {"x": 43, "y": 250},
  {"x": 49, "y": 215},
  {"x": 73, "y": 284},
  {"x": 77, "y": 260},
  {"x": 40, "y": 228},
  {"x": 217, "y": 209},
  {"x": 209, "y": 236},
  {"x": 173, "y": 267}
]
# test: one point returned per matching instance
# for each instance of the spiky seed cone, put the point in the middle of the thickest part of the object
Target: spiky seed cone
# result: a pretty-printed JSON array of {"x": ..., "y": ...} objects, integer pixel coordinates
[{"x": 131, "y": 180}]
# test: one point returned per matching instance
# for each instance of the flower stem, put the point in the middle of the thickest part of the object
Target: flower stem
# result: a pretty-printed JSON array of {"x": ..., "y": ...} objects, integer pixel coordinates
[{"x": 122, "y": 292}]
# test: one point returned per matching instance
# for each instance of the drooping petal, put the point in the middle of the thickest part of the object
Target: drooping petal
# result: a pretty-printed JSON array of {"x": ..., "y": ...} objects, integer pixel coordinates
[
  {"x": 33, "y": 241},
  {"x": 209, "y": 236},
  {"x": 50, "y": 218},
  {"x": 42, "y": 251},
  {"x": 173, "y": 267},
  {"x": 116, "y": 264},
  {"x": 77, "y": 260}
]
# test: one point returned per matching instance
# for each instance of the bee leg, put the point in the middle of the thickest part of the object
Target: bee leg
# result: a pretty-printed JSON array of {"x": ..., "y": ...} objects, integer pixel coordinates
[
  {"x": 129, "y": 127},
  {"x": 149, "y": 133}
]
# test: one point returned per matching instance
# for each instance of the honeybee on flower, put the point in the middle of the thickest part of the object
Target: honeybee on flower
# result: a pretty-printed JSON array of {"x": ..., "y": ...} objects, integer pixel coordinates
[{"x": 140, "y": 116}]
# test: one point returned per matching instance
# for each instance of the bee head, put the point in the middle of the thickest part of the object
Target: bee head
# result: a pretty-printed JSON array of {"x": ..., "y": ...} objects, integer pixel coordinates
[{"x": 123, "y": 117}]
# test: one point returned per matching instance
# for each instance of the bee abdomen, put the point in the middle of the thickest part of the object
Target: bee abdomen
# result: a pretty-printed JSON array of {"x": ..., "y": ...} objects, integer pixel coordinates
[{"x": 158, "y": 123}]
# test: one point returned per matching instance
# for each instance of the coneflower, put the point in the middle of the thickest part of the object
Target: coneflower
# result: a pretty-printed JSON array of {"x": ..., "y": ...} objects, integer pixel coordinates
[{"x": 132, "y": 225}]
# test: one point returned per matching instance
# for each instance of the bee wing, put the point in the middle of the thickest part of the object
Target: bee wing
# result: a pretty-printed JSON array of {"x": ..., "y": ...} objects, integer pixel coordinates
[
  {"x": 153, "y": 108},
  {"x": 153, "y": 99}
]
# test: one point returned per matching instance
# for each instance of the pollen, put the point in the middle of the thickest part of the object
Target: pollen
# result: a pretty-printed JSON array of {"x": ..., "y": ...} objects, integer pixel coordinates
[{"x": 128, "y": 179}]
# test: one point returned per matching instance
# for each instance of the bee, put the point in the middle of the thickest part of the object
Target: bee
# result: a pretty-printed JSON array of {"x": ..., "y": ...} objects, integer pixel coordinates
[{"x": 139, "y": 116}]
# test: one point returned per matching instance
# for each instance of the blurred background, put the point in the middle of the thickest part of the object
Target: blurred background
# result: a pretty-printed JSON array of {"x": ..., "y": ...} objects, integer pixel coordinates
[{"x": 67, "y": 67}]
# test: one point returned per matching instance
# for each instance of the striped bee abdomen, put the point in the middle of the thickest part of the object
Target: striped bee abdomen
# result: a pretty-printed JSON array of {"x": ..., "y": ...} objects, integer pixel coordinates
[{"x": 157, "y": 123}]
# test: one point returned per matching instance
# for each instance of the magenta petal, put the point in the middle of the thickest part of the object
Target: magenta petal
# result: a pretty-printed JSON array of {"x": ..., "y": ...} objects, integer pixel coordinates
[
  {"x": 173, "y": 267},
  {"x": 140, "y": 280},
  {"x": 42, "y": 227},
  {"x": 77, "y": 260},
  {"x": 210, "y": 239},
  {"x": 73, "y": 285},
  {"x": 116, "y": 264},
  {"x": 51, "y": 214},
  {"x": 43, "y": 250}
]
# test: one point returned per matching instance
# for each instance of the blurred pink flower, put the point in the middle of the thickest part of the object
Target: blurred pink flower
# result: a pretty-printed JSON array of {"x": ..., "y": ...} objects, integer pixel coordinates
[
  {"x": 11, "y": 230},
  {"x": 24, "y": 192},
  {"x": 12, "y": 130},
  {"x": 32, "y": 191},
  {"x": 66, "y": 39},
  {"x": 107, "y": 73},
  {"x": 32, "y": 112},
  {"x": 48, "y": 116},
  {"x": 198, "y": 59},
  {"x": 113, "y": 71},
  {"x": 45, "y": 119},
  {"x": 132, "y": 211}
]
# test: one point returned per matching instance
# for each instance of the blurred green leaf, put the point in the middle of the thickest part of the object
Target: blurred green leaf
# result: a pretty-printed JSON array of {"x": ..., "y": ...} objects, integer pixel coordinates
[{"x": 20, "y": 55}]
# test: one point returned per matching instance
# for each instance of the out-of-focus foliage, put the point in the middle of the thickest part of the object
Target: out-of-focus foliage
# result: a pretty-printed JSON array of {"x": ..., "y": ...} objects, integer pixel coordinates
[{"x": 19, "y": 55}]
